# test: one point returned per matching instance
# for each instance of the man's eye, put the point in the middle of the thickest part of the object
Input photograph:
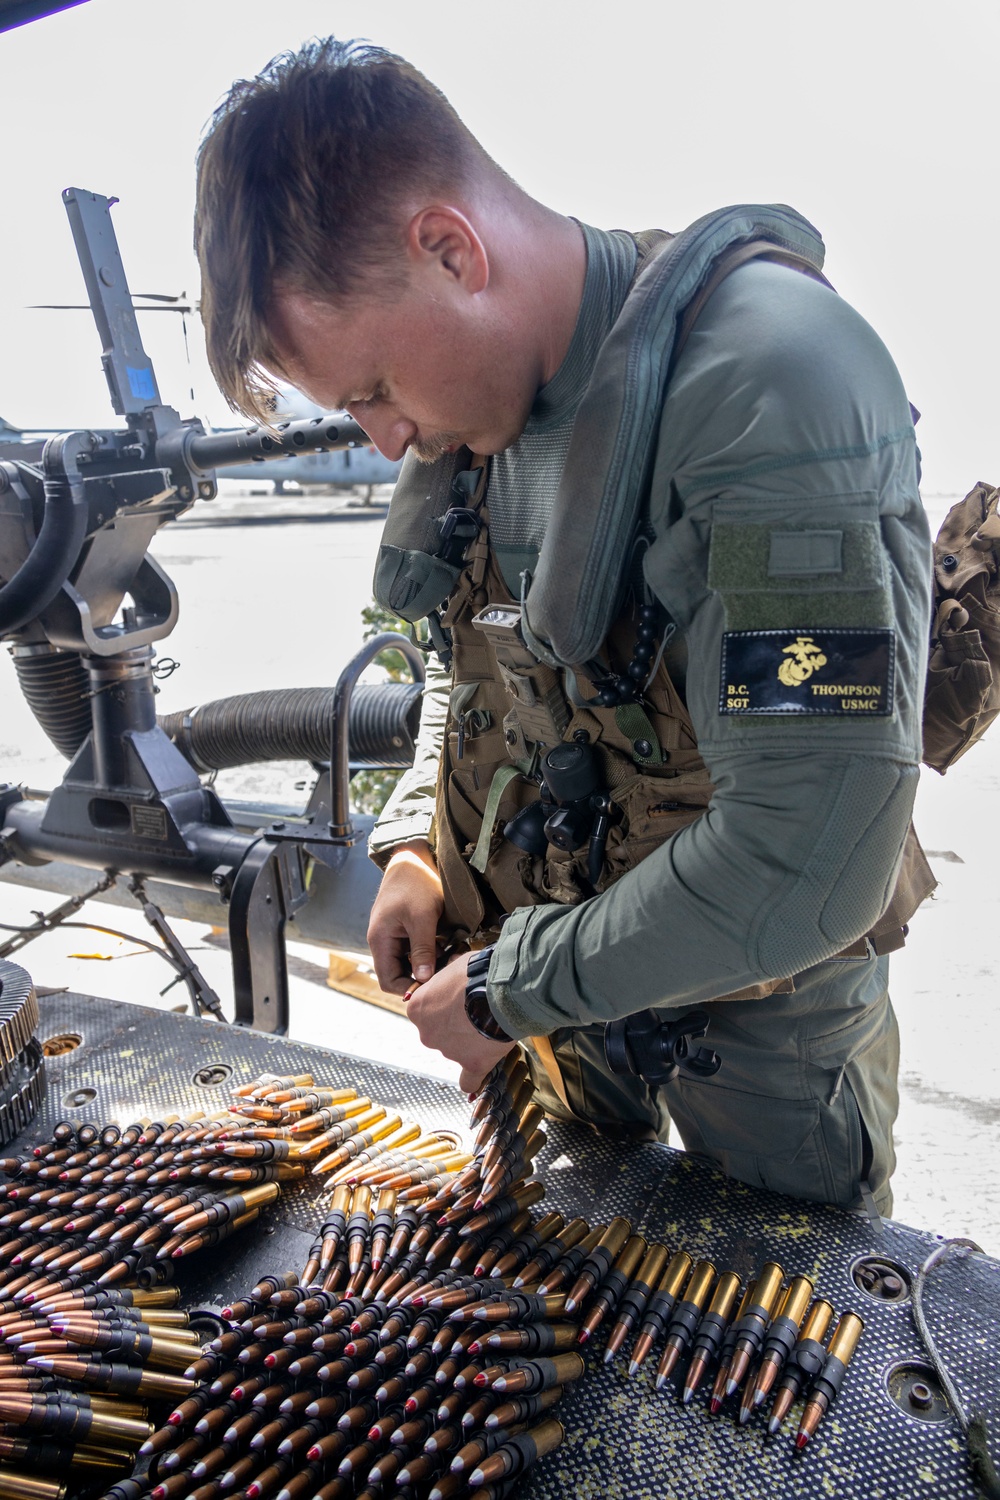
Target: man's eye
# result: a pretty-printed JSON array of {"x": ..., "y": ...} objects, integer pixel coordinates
[{"x": 376, "y": 396}]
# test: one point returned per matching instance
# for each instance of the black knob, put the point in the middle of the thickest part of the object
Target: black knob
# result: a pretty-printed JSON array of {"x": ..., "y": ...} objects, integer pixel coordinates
[
  {"x": 526, "y": 829},
  {"x": 570, "y": 772},
  {"x": 568, "y": 828}
]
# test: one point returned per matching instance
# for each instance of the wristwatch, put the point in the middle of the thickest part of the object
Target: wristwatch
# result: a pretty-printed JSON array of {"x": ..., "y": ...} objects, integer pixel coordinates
[{"x": 477, "y": 1005}]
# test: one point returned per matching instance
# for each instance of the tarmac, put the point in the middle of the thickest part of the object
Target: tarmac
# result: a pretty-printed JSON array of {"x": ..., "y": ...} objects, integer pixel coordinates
[{"x": 271, "y": 592}]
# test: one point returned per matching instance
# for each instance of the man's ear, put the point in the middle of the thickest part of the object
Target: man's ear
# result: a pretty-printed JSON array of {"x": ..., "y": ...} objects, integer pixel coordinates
[{"x": 441, "y": 238}]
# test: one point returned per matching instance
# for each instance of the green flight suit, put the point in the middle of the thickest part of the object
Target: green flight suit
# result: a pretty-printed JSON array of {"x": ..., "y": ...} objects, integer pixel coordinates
[{"x": 784, "y": 415}]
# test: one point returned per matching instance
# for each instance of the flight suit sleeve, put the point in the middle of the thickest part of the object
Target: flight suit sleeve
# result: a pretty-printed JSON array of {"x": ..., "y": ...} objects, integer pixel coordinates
[
  {"x": 788, "y": 528},
  {"x": 409, "y": 812}
]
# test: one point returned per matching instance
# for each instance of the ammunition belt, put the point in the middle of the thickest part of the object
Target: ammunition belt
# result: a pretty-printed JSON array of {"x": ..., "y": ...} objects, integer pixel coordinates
[{"x": 22, "y": 1063}]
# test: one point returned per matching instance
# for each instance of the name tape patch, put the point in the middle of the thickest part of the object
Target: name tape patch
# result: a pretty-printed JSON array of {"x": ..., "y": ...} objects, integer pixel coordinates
[{"x": 846, "y": 672}]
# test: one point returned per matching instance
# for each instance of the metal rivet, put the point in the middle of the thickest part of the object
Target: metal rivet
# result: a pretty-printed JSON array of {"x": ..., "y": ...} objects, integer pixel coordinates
[{"x": 80, "y": 1097}]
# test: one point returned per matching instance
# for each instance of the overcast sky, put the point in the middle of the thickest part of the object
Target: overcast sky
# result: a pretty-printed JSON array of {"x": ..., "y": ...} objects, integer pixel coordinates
[{"x": 875, "y": 118}]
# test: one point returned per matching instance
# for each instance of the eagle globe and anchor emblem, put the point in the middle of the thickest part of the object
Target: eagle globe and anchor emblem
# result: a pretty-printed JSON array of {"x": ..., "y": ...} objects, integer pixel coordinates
[{"x": 802, "y": 658}]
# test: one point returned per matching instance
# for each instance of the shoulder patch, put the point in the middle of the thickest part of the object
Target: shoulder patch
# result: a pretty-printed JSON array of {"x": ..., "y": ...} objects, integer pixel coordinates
[{"x": 824, "y": 671}]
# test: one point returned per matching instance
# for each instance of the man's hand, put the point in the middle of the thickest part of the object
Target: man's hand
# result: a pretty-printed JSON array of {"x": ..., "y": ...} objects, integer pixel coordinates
[
  {"x": 402, "y": 931},
  {"x": 437, "y": 1009}
]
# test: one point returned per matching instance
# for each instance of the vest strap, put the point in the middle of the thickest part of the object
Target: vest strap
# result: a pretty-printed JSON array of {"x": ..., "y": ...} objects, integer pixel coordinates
[
  {"x": 634, "y": 722},
  {"x": 546, "y": 1056},
  {"x": 501, "y": 778},
  {"x": 728, "y": 262}
]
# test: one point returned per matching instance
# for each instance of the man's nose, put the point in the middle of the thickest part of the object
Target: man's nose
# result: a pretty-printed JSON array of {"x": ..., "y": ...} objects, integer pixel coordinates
[{"x": 391, "y": 433}]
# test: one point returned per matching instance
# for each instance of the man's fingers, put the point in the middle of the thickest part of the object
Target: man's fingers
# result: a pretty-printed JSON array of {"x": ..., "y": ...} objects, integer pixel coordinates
[
  {"x": 402, "y": 933},
  {"x": 392, "y": 968},
  {"x": 423, "y": 957},
  {"x": 470, "y": 1081},
  {"x": 397, "y": 957}
]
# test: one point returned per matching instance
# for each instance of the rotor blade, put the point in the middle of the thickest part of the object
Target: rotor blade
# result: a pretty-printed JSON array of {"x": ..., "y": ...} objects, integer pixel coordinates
[
  {"x": 180, "y": 303},
  {"x": 179, "y": 307}
]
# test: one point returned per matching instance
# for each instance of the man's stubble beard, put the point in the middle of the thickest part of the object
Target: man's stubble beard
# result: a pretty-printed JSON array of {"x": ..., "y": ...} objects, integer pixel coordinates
[{"x": 429, "y": 450}]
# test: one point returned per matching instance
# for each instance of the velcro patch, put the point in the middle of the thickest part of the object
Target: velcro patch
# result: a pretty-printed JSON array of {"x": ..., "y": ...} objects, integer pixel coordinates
[
  {"x": 798, "y": 553},
  {"x": 825, "y": 671}
]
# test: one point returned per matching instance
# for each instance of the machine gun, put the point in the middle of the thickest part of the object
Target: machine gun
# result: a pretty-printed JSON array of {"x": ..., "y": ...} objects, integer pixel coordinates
[{"x": 83, "y": 604}]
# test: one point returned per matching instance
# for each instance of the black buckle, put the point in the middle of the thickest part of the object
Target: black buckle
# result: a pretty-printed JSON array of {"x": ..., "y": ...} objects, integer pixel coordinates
[
  {"x": 657, "y": 1050},
  {"x": 458, "y": 527}
]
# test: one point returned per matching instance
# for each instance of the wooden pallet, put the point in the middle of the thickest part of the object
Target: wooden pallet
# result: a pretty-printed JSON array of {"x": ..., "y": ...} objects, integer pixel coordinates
[{"x": 353, "y": 974}]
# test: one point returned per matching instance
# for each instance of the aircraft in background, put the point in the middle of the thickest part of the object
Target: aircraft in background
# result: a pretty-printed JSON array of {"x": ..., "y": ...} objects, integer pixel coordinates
[{"x": 11, "y": 434}]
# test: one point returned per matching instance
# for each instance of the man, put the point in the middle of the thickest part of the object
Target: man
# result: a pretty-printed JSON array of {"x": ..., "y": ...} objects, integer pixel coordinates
[{"x": 680, "y": 601}]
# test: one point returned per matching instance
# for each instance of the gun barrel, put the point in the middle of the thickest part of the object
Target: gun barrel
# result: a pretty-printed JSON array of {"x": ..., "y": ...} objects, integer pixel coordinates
[{"x": 207, "y": 451}]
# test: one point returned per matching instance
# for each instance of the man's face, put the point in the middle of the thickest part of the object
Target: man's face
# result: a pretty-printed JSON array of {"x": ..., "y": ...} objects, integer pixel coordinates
[{"x": 428, "y": 368}]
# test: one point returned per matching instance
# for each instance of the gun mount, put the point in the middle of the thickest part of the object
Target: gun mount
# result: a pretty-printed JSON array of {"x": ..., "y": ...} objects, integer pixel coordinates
[{"x": 83, "y": 603}]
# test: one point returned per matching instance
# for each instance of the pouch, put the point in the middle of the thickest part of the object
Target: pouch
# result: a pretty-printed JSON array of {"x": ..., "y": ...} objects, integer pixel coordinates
[{"x": 962, "y": 696}]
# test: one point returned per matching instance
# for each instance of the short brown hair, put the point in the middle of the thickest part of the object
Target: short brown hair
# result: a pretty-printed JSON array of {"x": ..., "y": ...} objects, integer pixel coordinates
[{"x": 301, "y": 178}]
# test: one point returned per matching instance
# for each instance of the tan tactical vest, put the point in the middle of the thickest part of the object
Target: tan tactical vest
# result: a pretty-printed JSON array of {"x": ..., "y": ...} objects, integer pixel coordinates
[{"x": 646, "y": 750}]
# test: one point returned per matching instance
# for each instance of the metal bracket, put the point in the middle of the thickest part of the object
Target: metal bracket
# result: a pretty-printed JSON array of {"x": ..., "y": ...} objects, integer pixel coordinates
[{"x": 267, "y": 888}]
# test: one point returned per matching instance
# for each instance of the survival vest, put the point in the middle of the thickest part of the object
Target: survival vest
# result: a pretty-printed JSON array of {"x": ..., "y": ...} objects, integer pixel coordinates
[{"x": 550, "y": 673}]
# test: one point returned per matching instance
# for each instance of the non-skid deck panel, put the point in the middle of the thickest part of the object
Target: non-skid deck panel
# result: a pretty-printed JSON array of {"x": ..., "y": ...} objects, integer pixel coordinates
[{"x": 623, "y": 1439}]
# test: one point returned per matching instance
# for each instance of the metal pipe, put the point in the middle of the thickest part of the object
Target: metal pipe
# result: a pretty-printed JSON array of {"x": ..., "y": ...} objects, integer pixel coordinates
[
  {"x": 122, "y": 703},
  {"x": 204, "y": 452},
  {"x": 340, "y": 822},
  {"x": 28, "y": 839},
  {"x": 335, "y": 916}
]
